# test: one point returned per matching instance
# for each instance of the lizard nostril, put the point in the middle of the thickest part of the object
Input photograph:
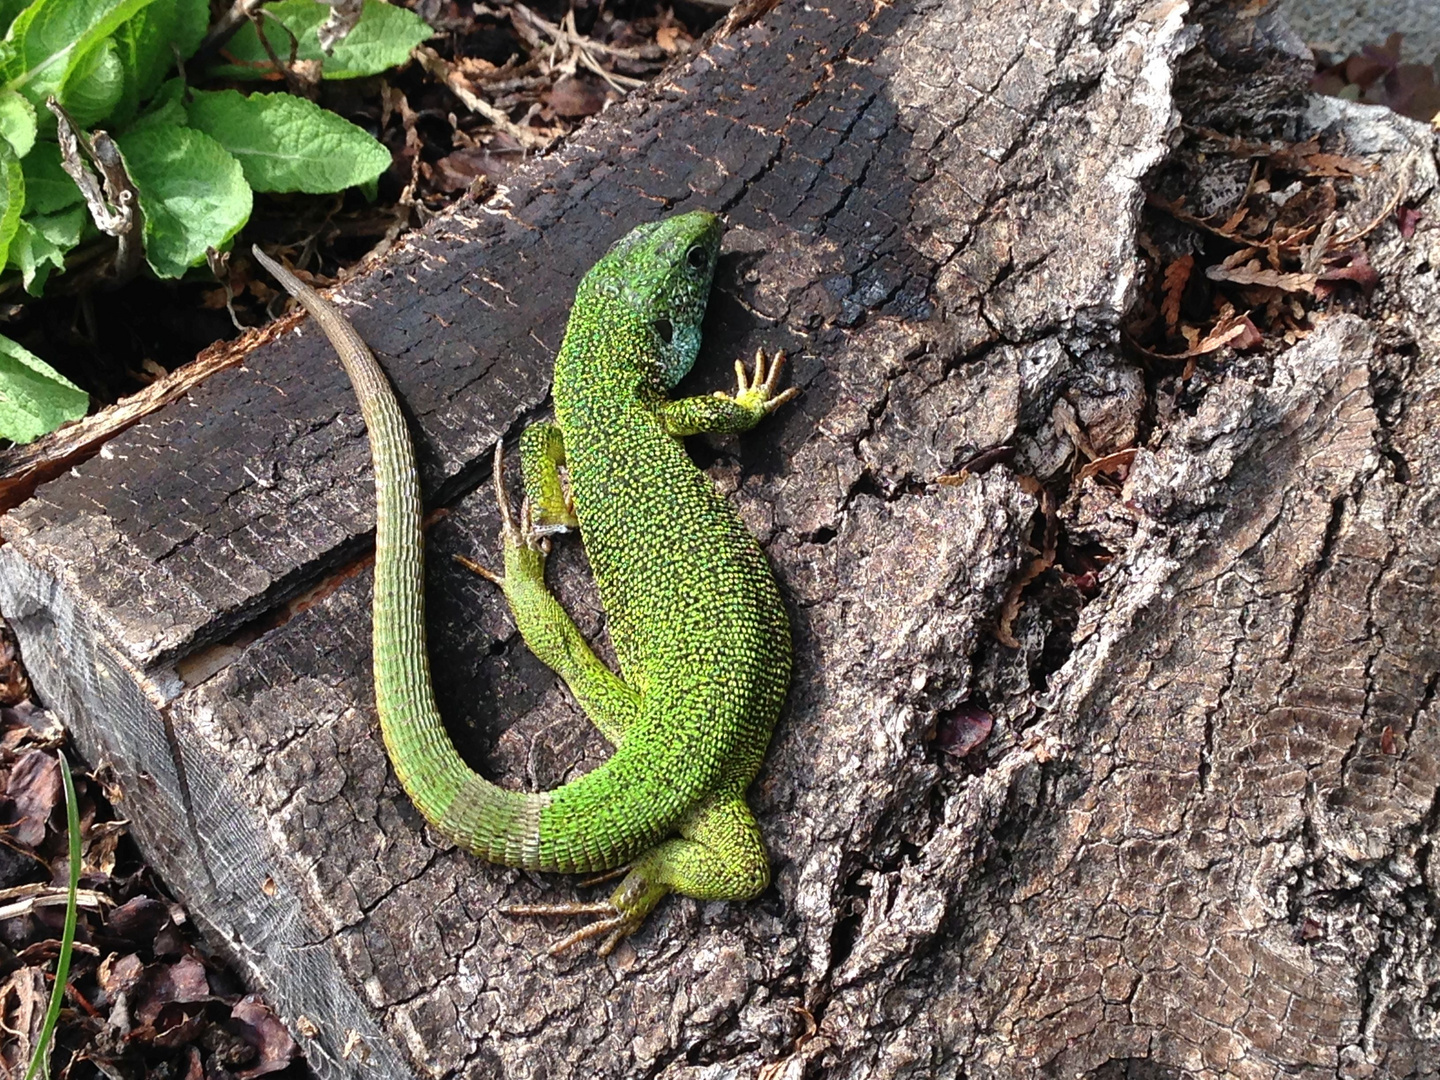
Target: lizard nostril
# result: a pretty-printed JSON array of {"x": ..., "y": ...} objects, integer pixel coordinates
[
  {"x": 696, "y": 258},
  {"x": 665, "y": 329}
]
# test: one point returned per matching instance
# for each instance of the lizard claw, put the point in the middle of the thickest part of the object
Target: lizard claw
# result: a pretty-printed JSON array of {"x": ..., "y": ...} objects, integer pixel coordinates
[
  {"x": 525, "y": 533},
  {"x": 614, "y": 924},
  {"x": 759, "y": 390},
  {"x": 618, "y": 917},
  {"x": 475, "y": 568},
  {"x": 510, "y": 534}
]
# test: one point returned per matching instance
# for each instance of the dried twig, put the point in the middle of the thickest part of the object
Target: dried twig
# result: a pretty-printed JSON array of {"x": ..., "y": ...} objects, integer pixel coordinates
[
  {"x": 569, "y": 47},
  {"x": 344, "y": 14},
  {"x": 1402, "y": 188},
  {"x": 111, "y": 198},
  {"x": 24, "y": 899},
  {"x": 438, "y": 66},
  {"x": 226, "y": 26}
]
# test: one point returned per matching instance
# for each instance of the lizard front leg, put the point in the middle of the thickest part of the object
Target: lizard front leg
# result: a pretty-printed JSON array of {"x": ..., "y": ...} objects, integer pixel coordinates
[{"x": 753, "y": 400}]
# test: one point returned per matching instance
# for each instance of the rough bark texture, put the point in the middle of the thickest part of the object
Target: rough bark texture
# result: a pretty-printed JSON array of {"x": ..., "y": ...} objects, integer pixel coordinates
[{"x": 1199, "y": 841}]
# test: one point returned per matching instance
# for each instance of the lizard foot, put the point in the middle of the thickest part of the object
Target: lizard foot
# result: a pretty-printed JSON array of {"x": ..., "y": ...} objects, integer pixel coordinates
[
  {"x": 524, "y": 549},
  {"x": 758, "y": 392},
  {"x": 524, "y": 533},
  {"x": 613, "y": 923},
  {"x": 619, "y": 916}
]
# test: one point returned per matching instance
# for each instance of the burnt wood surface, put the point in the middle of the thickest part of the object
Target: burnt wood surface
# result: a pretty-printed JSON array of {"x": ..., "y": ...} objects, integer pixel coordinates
[{"x": 1186, "y": 849}]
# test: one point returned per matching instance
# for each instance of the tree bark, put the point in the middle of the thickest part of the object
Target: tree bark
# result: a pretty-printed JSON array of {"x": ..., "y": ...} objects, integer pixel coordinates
[{"x": 1197, "y": 841}]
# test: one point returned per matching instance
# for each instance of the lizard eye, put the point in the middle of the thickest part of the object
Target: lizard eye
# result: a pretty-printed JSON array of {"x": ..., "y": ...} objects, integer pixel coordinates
[
  {"x": 665, "y": 329},
  {"x": 697, "y": 258}
]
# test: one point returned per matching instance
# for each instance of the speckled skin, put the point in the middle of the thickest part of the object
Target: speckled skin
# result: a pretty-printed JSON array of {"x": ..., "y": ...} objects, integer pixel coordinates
[{"x": 695, "y": 617}]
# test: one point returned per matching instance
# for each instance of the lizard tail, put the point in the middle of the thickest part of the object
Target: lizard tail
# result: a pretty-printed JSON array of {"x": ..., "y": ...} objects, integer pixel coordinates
[{"x": 498, "y": 825}]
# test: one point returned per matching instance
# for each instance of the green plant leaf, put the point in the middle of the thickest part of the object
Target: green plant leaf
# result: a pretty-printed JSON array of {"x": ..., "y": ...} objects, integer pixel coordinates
[
  {"x": 166, "y": 107},
  {"x": 93, "y": 85},
  {"x": 149, "y": 44},
  {"x": 286, "y": 143},
  {"x": 51, "y": 36},
  {"x": 41, "y": 244},
  {"x": 9, "y": 9},
  {"x": 12, "y": 197},
  {"x": 17, "y": 121},
  {"x": 34, "y": 397},
  {"x": 47, "y": 186},
  {"x": 40, "y": 1058},
  {"x": 382, "y": 39},
  {"x": 192, "y": 192}
]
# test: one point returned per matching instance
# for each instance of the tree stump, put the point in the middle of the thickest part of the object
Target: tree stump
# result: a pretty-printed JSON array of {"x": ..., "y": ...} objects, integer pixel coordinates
[{"x": 1198, "y": 841}]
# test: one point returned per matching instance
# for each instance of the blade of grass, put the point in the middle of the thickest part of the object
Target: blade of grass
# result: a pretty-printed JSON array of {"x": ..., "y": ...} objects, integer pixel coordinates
[{"x": 40, "y": 1058}]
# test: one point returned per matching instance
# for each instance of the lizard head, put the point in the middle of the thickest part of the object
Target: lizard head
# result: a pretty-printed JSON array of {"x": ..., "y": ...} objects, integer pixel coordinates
[{"x": 660, "y": 273}]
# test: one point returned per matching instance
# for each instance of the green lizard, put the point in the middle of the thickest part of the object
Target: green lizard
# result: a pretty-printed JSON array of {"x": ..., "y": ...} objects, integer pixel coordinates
[{"x": 697, "y": 623}]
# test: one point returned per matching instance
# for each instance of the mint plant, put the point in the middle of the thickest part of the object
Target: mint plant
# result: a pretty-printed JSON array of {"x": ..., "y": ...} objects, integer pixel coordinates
[{"x": 193, "y": 158}]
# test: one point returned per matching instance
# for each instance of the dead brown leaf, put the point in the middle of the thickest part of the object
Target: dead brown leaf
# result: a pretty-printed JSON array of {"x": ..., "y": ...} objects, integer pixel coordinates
[
  {"x": 574, "y": 97},
  {"x": 962, "y": 730},
  {"x": 23, "y": 1000},
  {"x": 1335, "y": 165},
  {"x": 459, "y": 170},
  {"x": 253, "y": 1021},
  {"x": 118, "y": 973},
  {"x": 1236, "y": 331},
  {"x": 1252, "y": 273},
  {"x": 1358, "y": 270},
  {"x": 1177, "y": 276},
  {"x": 1116, "y": 464},
  {"x": 28, "y": 725},
  {"x": 1376, "y": 76},
  {"x": 138, "y": 920},
  {"x": 673, "y": 39},
  {"x": 1304, "y": 159},
  {"x": 1044, "y": 559},
  {"x": 180, "y": 983},
  {"x": 14, "y": 683},
  {"x": 31, "y": 797}
]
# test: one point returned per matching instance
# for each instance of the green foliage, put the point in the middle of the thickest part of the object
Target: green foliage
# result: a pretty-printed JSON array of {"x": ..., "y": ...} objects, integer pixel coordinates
[
  {"x": 286, "y": 143},
  {"x": 195, "y": 157},
  {"x": 52, "y": 38},
  {"x": 47, "y": 186},
  {"x": 148, "y": 45},
  {"x": 192, "y": 192},
  {"x": 41, "y": 242},
  {"x": 34, "y": 397},
  {"x": 382, "y": 39},
  {"x": 17, "y": 121},
  {"x": 12, "y": 196}
]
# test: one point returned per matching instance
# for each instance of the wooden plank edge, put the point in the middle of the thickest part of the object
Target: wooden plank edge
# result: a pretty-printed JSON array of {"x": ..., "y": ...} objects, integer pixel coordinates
[{"x": 120, "y": 715}]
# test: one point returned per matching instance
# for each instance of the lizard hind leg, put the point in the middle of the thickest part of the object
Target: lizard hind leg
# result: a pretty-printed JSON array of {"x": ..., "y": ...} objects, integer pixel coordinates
[
  {"x": 542, "y": 453},
  {"x": 719, "y": 855},
  {"x": 610, "y": 703},
  {"x": 519, "y": 553}
]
